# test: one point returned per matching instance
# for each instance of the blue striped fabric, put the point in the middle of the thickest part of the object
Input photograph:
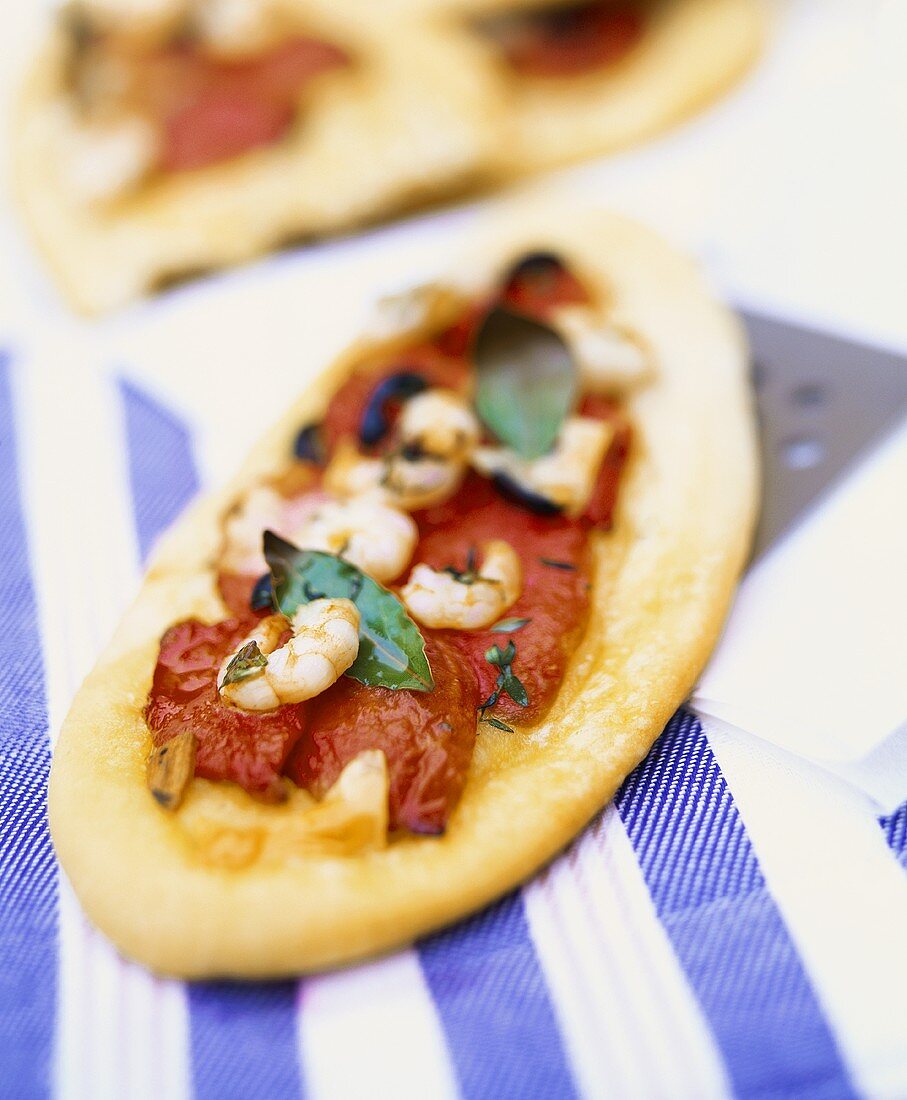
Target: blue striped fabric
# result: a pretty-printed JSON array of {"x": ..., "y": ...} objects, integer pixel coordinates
[
  {"x": 724, "y": 925},
  {"x": 243, "y": 1037},
  {"x": 243, "y": 1040},
  {"x": 895, "y": 829},
  {"x": 28, "y": 880},
  {"x": 162, "y": 474},
  {"x": 494, "y": 1006}
]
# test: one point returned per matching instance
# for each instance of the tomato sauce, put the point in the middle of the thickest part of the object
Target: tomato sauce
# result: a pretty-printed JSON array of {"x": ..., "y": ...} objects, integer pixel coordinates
[
  {"x": 427, "y": 737},
  {"x": 555, "y": 597},
  {"x": 209, "y": 109},
  {"x": 600, "y": 509},
  {"x": 236, "y": 591},
  {"x": 540, "y": 285},
  {"x": 570, "y": 41},
  {"x": 247, "y": 748}
]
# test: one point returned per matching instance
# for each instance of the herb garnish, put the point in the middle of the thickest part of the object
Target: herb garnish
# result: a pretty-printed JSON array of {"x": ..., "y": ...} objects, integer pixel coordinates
[
  {"x": 507, "y": 682},
  {"x": 489, "y": 720},
  {"x": 508, "y": 626},
  {"x": 246, "y": 662},
  {"x": 566, "y": 565},
  {"x": 470, "y": 574},
  {"x": 391, "y": 647}
]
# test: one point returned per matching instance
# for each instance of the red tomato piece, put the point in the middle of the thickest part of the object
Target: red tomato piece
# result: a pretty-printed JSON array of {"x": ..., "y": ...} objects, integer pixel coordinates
[
  {"x": 427, "y": 738},
  {"x": 555, "y": 598},
  {"x": 246, "y": 748},
  {"x": 211, "y": 110},
  {"x": 573, "y": 40},
  {"x": 538, "y": 289},
  {"x": 600, "y": 509},
  {"x": 219, "y": 124}
]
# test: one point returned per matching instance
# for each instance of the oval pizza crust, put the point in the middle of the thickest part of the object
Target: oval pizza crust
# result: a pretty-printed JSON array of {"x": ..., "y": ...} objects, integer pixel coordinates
[{"x": 219, "y": 888}]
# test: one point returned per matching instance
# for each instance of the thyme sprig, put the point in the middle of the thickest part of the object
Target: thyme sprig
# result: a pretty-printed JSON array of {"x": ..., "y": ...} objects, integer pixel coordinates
[
  {"x": 471, "y": 573},
  {"x": 555, "y": 564},
  {"x": 490, "y": 720},
  {"x": 508, "y": 626},
  {"x": 246, "y": 662},
  {"x": 507, "y": 682}
]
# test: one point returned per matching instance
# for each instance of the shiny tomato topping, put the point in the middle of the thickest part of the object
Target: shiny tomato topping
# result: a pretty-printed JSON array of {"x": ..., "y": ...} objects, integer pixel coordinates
[
  {"x": 427, "y": 738},
  {"x": 210, "y": 109},
  {"x": 574, "y": 40},
  {"x": 236, "y": 591},
  {"x": 555, "y": 598},
  {"x": 249, "y": 749},
  {"x": 600, "y": 509},
  {"x": 542, "y": 284}
]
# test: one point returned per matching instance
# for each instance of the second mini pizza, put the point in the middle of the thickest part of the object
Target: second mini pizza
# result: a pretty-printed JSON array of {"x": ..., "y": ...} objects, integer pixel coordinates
[{"x": 160, "y": 141}]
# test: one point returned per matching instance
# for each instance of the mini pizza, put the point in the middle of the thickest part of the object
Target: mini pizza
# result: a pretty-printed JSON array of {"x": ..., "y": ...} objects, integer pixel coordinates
[
  {"x": 162, "y": 139},
  {"x": 583, "y": 78},
  {"x": 446, "y": 607},
  {"x": 155, "y": 141}
]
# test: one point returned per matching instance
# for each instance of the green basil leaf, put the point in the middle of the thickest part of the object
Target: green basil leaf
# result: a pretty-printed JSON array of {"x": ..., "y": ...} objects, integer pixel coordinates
[
  {"x": 526, "y": 381},
  {"x": 246, "y": 662},
  {"x": 508, "y": 626},
  {"x": 391, "y": 647}
]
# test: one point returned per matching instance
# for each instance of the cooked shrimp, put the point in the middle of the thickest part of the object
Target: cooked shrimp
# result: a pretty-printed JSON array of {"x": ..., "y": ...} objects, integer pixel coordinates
[
  {"x": 443, "y": 598},
  {"x": 439, "y": 423},
  {"x": 401, "y": 482},
  {"x": 259, "y": 509},
  {"x": 324, "y": 644},
  {"x": 567, "y": 475},
  {"x": 262, "y": 508},
  {"x": 378, "y": 539},
  {"x": 611, "y": 358}
]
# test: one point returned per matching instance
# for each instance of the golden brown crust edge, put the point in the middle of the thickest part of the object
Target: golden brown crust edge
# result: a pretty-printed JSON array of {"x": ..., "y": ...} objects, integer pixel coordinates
[{"x": 664, "y": 581}]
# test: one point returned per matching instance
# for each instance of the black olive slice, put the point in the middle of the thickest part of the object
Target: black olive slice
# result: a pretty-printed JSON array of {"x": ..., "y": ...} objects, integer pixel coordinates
[
  {"x": 308, "y": 445},
  {"x": 396, "y": 387},
  {"x": 533, "y": 266},
  {"x": 510, "y": 488},
  {"x": 262, "y": 593}
]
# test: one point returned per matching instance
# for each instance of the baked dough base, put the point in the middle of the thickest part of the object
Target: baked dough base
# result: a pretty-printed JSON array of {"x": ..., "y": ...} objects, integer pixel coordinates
[
  {"x": 692, "y": 52},
  {"x": 163, "y": 889}
]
